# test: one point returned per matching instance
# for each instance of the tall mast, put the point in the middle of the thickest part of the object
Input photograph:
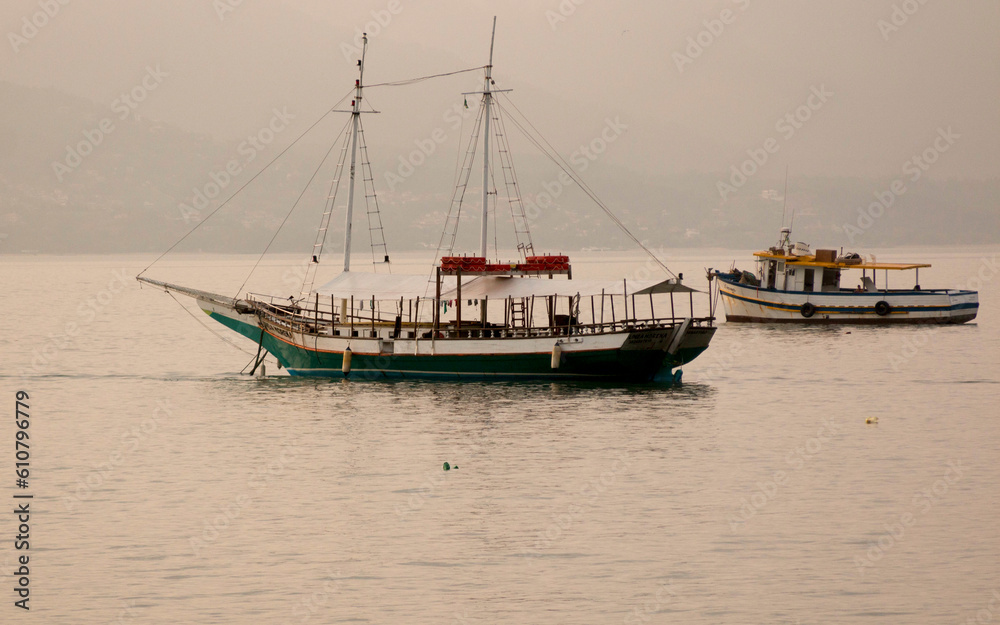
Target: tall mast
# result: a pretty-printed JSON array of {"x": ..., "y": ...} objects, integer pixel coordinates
[
  {"x": 487, "y": 97},
  {"x": 356, "y": 120}
]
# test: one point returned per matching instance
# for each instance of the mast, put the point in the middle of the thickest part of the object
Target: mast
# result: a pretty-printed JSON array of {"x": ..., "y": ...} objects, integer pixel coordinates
[
  {"x": 356, "y": 120},
  {"x": 487, "y": 97}
]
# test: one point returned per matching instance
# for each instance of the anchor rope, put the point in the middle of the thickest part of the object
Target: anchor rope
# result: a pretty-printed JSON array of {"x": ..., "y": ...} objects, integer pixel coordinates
[{"x": 204, "y": 325}]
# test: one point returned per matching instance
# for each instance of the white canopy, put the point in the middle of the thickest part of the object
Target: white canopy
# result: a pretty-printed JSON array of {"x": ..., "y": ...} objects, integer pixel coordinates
[{"x": 408, "y": 286}]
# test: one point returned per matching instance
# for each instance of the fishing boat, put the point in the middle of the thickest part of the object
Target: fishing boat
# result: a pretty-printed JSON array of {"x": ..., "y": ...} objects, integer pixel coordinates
[
  {"x": 794, "y": 284},
  {"x": 477, "y": 315}
]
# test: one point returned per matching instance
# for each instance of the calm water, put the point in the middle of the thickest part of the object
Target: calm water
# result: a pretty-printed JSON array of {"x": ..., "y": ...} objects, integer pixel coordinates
[{"x": 171, "y": 489}]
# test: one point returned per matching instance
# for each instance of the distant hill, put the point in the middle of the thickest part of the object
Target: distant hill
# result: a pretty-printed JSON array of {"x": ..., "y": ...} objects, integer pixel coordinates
[{"x": 126, "y": 194}]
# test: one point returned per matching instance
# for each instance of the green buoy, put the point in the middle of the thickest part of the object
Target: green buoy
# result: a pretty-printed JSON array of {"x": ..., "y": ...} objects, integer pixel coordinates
[{"x": 447, "y": 467}]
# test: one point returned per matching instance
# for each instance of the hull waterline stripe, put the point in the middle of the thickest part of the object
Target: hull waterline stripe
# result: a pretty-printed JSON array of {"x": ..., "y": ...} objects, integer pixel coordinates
[{"x": 833, "y": 310}]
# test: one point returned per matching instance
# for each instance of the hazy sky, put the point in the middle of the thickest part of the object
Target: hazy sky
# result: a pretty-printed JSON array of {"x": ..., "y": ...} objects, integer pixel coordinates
[{"x": 893, "y": 72}]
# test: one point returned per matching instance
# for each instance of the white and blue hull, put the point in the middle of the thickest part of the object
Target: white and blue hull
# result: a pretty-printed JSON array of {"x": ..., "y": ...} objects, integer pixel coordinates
[{"x": 748, "y": 303}]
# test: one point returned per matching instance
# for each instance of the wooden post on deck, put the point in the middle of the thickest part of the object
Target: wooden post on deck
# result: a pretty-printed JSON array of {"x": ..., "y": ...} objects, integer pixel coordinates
[
  {"x": 483, "y": 308},
  {"x": 437, "y": 302},
  {"x": 458, "y": 307},
  {"x": 625, "y": 296}
]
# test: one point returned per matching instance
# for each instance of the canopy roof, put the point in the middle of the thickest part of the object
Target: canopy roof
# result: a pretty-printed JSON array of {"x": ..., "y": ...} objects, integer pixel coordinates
[
  {"x": 409, "y": 286},
  {"x": 810, "y": 261}
]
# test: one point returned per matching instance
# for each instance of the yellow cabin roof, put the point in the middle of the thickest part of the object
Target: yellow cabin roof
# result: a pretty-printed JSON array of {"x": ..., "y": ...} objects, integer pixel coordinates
[{"x": 810, "y": 261}]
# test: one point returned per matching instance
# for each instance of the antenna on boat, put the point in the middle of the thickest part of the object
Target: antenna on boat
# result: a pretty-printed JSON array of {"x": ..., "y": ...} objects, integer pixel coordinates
[
  {"x": 487, "y": 100},
  {"x": 784, "y": 233},
  {"x": 784, "y": 198}
]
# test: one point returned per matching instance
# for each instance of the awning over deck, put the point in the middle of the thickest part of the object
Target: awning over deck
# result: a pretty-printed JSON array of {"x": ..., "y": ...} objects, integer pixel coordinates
[
  {"x": 810, "y": 261},
  {"x": 408, "y": 286}
]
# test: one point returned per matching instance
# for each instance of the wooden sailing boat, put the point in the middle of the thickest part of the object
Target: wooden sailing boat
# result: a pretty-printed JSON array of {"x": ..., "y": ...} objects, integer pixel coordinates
[{"x": 518, "y": 326}]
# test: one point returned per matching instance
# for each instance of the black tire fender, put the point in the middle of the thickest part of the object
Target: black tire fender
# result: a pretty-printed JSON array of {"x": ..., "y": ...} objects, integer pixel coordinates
[
  {"x": 882, "y": 308},
  {"x": 807, "y": 310}
]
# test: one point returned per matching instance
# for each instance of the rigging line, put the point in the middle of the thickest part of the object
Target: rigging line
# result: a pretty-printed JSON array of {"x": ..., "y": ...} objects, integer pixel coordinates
[
  {"x": 458, "y": 155},
  {"x": 554, "y": 155},
  {"x": 561, "y": 163},
  {"x": 289, "y": 214},
  {"x": 413, "y": 81},
  {"x": 237, "y": 192},
  {"x": 202, "y": 324},
  {"x": 496, "y": 209},
  {"x": 523, "y": 248}
]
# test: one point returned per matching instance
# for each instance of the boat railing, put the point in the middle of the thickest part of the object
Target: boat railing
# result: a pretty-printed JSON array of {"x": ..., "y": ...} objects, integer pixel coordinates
[{"x": 288, "y": 317}]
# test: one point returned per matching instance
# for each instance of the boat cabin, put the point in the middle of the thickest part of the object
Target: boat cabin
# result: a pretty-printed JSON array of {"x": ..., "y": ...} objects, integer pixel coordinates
[{"x": 821, "y": 272}]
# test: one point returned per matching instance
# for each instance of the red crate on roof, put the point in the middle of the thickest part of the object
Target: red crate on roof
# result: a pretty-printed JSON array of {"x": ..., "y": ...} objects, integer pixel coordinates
[
  {"x": 548, "y": 259},
  {"x": 465, "y": 263}
]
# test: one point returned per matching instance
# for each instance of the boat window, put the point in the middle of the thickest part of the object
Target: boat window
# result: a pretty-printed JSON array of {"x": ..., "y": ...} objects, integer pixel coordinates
[
  {"x": 809, "y": 280},
  {"x": 831, "y": 279}
]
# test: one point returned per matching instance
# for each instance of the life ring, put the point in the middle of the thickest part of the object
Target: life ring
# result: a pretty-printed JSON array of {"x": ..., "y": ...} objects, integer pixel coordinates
[
  {"x": 807, "y": 310},
  {"x": 882, "y": 308}
]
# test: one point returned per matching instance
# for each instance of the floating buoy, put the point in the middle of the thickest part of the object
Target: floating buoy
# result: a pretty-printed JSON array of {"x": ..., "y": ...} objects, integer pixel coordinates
[
  {"x": 346, "y": 366},
  {"x": 556, "y": 355},
  {"x": 447, "y": 467},
  {"x": 871, "y": 420}
]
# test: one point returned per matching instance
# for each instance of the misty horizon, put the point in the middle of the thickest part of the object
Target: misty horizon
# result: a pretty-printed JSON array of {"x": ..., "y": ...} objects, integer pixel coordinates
[{"x": 684, "y": 118}]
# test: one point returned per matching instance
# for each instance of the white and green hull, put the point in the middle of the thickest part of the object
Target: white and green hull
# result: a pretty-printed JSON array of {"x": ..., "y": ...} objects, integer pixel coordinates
[{"x": 638, "y": 354}]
